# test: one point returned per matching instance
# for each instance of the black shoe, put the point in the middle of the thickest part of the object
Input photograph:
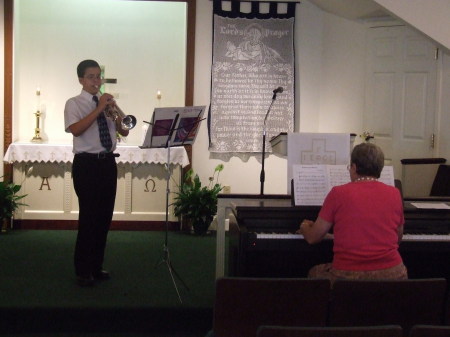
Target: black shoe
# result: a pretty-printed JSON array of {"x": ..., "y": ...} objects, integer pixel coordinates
[
  {"x": 101, "y": 275},
  {"x": 85, "y": 280}
]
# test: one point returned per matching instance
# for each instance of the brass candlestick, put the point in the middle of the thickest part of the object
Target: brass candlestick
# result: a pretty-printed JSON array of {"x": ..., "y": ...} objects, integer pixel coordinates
[{"x": 37, "y": 131}]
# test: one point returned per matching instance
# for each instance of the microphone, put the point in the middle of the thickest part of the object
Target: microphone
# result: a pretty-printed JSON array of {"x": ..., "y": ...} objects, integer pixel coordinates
[{"x": 278, "y": 90}]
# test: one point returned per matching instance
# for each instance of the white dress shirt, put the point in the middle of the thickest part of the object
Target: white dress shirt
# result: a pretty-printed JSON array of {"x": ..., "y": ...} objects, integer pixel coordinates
[{"x": 76, "y": 109}]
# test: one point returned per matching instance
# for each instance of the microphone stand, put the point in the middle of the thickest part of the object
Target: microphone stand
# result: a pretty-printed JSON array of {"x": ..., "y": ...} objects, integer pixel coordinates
[{"x": 262, "y": 176}]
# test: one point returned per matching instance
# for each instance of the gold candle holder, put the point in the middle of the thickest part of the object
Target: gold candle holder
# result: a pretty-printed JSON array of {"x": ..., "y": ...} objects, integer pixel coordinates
[{"x": 37, "y": 131}]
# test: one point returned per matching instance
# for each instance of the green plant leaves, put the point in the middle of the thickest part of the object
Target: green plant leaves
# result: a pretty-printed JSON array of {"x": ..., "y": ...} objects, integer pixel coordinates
[
  {"x": 9, "y": 200},
  {"x": 197, "y": 202}
]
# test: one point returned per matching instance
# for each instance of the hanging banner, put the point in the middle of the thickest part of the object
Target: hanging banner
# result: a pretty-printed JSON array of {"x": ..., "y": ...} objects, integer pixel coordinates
[{"x": 253, "y": 54}]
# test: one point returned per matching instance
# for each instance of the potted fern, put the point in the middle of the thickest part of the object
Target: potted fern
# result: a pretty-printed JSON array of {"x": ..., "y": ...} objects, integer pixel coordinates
[
  {"x": 9, "y": 201},
  {"x": 196, "y": 203}
]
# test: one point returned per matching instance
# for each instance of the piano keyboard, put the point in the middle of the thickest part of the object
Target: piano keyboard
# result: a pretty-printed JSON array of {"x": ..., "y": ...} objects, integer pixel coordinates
[
  {"x": 406, "y": 237},
  {"x": 278, "y": 236},
  {"x": 426, "y": 237}
]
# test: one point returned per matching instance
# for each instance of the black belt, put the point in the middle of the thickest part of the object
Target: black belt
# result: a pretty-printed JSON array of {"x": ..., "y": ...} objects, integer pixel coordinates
[{"x": 101, "y": 155}]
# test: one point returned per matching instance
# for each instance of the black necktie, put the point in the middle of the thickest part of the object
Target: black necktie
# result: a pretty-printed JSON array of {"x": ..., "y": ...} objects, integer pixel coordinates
[{"x": 105, "y": 137}]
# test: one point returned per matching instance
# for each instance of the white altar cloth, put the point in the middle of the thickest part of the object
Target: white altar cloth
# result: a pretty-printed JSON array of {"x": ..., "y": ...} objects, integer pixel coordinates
[{"x": 62, "y": 153}]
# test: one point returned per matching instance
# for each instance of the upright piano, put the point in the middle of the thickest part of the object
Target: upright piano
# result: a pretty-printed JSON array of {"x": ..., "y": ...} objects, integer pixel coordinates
[{"x": 263, "y": 242}]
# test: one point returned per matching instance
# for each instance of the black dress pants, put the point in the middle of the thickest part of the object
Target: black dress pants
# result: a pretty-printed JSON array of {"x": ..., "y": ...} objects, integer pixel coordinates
[{"x": 95, "y": 183}]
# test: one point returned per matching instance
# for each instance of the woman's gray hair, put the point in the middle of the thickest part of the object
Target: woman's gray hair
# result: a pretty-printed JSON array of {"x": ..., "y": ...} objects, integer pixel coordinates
[{"x": 369, "y": 159}]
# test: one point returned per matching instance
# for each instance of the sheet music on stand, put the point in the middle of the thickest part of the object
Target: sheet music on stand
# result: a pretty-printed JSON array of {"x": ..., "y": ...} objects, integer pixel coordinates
[
  {"x": 164, "y": 120},
  {"x": 313, "y": 182}
]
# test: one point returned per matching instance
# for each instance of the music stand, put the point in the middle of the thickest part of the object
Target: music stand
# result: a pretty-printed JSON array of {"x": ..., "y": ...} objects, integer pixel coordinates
[{"x": 172, "y": 127}]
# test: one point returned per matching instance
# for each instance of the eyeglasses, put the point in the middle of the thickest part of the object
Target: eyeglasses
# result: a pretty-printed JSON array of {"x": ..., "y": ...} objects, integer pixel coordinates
[{"x": 93, "y": 77}]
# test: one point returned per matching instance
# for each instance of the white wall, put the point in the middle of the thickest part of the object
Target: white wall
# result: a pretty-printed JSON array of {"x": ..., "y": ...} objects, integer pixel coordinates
[
  {"x": 308, "y": 51},
  {"x": 140, "y": 43},
  {"x": 342, "y": 87},
  {"x": 430, "y": 17}
]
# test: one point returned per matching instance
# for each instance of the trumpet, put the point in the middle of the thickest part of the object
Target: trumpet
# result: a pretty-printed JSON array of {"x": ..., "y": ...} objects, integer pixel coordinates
[{"x": 113, "y": 112}]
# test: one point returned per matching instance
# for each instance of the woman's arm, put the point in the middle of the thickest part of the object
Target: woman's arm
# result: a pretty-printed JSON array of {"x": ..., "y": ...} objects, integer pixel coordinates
[
  {"x": 400, "y": 233},
  {"x": 314, "y": 232}
]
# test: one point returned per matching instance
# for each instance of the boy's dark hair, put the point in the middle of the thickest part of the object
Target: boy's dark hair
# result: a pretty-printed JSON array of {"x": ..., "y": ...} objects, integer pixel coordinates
[{"x": 81, "y": 69}]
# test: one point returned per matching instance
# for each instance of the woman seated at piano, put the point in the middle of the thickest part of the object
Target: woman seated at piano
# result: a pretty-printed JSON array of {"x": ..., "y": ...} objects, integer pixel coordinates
[{"x": 367, "y": 221}]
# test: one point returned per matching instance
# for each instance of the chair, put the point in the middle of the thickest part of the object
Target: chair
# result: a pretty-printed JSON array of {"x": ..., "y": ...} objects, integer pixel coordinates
[
  {"x": 446, "y": 319},
  {"x": 243, "y": 304},
  {"x": 366, "y": 331},
  {"x": 418, "y": 175},
  {"x": 381, "y": 302},
  {"x": 399, "y": 186},
  {"x": 441, "y": 183},
  {"x": 430, "y": 331}
]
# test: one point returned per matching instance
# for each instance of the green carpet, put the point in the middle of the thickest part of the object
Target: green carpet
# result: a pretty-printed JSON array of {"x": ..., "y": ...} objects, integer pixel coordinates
[{"x": 38, "y": 292}]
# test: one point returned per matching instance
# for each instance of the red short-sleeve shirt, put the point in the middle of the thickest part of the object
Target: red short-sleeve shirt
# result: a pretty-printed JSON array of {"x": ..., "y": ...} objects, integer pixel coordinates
[{"x": 365, "y": 216}]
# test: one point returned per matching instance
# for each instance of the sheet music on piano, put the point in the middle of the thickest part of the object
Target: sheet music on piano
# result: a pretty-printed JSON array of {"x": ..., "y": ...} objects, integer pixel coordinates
[
  {"x": 431, "y": 205},
  {"x": 313, "y": 182}
]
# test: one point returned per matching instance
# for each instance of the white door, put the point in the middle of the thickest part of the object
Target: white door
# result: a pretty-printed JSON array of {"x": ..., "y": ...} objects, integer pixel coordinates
[{"x": 400, "y": 93}]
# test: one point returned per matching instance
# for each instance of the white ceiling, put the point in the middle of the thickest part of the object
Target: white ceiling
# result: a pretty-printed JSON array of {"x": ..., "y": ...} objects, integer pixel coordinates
[{"x": 352, "y": 9}]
